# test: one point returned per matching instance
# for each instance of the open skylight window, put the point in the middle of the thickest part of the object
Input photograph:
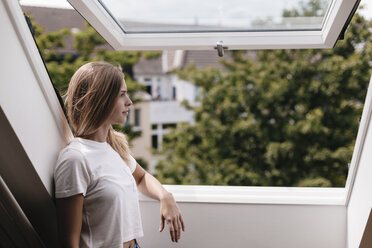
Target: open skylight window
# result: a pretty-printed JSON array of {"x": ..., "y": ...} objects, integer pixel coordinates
[
  {"x": 208, "y": 16},
  {"x": 199, "y": 25}
]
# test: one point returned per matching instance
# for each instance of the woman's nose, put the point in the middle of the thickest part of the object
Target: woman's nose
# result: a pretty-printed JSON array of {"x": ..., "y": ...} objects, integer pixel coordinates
[{"x": 128, "y": 102}]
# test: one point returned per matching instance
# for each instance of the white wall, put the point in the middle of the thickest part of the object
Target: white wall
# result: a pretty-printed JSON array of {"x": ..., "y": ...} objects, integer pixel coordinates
[
  {"x": 360, "y": 202},
  {"x": 169, "y": 112},
  {"x": 250, "y": 225},
  {"x": 23, "y": 91},
  {"x": 32, "y": 112}
]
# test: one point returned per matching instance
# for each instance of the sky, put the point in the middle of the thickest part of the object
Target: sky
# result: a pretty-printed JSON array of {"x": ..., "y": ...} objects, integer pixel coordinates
[{"x": 131, "y": 4}]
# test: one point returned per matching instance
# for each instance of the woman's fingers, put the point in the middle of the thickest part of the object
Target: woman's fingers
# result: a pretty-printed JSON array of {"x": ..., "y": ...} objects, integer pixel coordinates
[
  {"x": 171, "y": 229},
  {"x": 178, "y": 228},
  {"x": 161, "y": 226},
  {"x": 182, "y": 223},
  {"x": 174, "y": 226}
]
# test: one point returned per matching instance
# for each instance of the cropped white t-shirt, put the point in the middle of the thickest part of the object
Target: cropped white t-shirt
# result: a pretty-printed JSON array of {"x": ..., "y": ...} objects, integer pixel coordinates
[{"x": 111, "y": 214}]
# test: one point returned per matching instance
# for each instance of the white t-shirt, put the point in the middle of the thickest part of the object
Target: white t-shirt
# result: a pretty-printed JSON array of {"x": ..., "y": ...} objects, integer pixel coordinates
[{"x": 111, "y": 214}]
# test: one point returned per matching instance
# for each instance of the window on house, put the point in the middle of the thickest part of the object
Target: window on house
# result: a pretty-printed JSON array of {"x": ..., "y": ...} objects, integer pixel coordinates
[
  {"x": 154, "y": 141},
  {"x": 174, "y": 95},
  {"x": 149, "y": 89},
  {"x": 137, "y": 117},
  {"x": 169, "y": 125}
]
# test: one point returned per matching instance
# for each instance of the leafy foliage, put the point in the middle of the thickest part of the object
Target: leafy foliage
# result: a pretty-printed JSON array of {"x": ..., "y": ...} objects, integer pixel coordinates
[
  {"x": 89, "y": 46},
  {"x": 151, "y": 54},
  {"x": 279, "y": 118}
]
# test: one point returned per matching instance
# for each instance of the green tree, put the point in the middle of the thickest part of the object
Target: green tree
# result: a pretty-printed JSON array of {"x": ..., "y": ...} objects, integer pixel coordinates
[
  {"x": 282, "y": 118},
  {"x": 89, "y": 46}
]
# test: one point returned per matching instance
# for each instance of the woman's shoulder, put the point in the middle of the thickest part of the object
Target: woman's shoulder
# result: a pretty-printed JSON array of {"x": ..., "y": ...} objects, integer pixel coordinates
[
  {"x": 73, "y": 151},
  {"x": 70, "y": 158}
]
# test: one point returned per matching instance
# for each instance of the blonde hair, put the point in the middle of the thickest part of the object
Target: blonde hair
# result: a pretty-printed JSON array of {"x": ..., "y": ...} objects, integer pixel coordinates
[{"x": 91, "y": 96}]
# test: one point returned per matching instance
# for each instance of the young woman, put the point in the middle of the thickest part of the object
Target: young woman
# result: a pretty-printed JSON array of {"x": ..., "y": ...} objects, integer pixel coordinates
[{"x": 96, "y": 178}]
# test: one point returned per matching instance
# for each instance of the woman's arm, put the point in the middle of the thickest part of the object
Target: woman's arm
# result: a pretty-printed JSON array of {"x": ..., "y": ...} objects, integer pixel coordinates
[
  {"x": 169, "y": 210},
  {"x": 69, "y": 219}
]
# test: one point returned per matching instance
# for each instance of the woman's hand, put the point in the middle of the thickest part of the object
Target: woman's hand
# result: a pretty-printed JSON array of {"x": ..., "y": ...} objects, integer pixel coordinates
[{"x": 170, "y": 212}]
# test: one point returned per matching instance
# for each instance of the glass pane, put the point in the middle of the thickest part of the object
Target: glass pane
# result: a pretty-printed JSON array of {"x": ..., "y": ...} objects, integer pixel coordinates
[
  {"x": 154, "y": 141},
  {"x": 142, "y": 16},
  {"x": 137, "y": 114}
]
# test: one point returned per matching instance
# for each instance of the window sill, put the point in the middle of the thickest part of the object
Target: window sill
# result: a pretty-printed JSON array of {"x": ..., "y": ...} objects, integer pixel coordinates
[{"x": 255, "y": 195}]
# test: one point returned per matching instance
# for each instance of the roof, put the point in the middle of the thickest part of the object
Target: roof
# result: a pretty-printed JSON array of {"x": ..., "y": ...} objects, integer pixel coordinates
[
  {"x": 203, "y": 58},
  {"x": 61, "y": 18},
  {"x": 53, "y": 19},
  {"x": 148, "y": 66}
]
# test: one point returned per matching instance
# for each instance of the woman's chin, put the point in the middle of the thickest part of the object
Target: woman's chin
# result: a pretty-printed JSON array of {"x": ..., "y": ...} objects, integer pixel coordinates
[
  {"x": 120, "y": 122},
  {"x": 123, "y": 121}
]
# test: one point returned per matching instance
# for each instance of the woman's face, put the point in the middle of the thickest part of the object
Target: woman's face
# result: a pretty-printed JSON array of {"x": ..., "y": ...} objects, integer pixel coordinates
[{"x": 120, "y": 112}]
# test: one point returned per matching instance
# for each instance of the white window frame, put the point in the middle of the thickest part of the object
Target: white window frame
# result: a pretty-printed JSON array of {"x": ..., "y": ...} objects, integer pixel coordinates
[{"x": 101, "y": 20}]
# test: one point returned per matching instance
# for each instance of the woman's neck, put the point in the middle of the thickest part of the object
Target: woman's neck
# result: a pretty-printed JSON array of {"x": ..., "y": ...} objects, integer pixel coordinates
[{"x": 100, "y": 135}]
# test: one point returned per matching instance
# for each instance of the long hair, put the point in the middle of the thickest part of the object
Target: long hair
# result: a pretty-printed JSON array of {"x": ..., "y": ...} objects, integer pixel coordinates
[{"x": 91, "y": 96}]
